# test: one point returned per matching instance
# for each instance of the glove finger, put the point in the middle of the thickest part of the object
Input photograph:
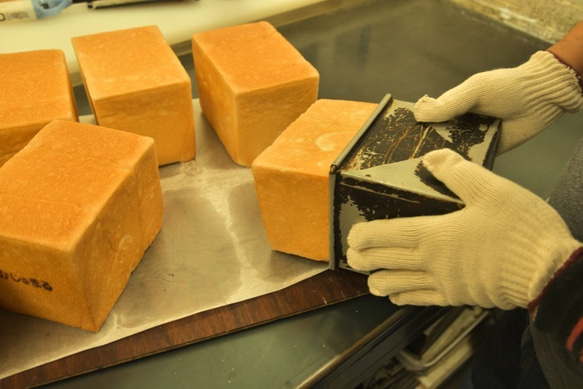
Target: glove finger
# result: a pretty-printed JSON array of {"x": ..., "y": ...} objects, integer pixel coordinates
[
  {"x": 387, "y": 282},
  {"x": 381, "y": 258},
  {"x": 452, "y": 103},
  {"x": 418, "y": 297},
  {"x": 399, "y": 232}
]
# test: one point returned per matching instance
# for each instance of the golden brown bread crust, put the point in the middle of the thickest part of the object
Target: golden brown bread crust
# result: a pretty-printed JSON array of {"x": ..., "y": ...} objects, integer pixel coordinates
[
  {"x": 136, "y": 83},
  {"x": 80, "y": 204},
  {"x": 36, "y": 89},
  {"x": 291, "y": 176},
  {"x": 252, "y": 84}
]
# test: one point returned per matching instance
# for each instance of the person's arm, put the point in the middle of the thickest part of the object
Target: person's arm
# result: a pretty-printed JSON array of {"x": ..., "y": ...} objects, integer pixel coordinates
[{"x": 569, "y": 50}]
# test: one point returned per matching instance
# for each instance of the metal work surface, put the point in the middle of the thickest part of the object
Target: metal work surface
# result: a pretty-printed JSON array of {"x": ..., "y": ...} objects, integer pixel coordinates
[{"x": 407, "y": 48}]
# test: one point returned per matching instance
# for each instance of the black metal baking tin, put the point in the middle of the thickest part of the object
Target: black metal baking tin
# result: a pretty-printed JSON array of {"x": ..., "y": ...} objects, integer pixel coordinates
[{"x": 379, "y": 174}]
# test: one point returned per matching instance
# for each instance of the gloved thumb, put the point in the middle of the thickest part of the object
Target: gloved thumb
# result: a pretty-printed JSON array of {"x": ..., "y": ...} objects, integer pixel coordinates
[
  {"x": 453, "y": 103},
  {"x": 466, "y": 179}
]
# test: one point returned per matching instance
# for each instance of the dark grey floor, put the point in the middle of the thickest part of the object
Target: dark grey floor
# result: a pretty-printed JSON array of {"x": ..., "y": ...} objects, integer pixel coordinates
[{"x": 404, "y": 47}]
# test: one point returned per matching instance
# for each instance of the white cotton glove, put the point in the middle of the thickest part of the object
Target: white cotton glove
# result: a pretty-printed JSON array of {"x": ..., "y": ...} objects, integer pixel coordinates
[
  {"x": 500, "y": 250},
  {"x": 528, "y": 98}
]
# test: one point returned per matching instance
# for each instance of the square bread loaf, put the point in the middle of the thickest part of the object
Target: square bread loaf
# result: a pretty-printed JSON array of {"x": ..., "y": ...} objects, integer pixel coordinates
[
  {"x": 36, "y": 89},
  {"x": 79, "y": 206},
  {"x": 252, "y": 84},
  {"x": 135, "y": 82},
  {"x": 291, "y": 176}
]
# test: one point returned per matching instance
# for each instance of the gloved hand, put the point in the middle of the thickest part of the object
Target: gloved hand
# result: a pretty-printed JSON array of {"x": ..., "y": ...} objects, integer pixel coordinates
[
  {"x": 500, "y": 250},
  {"x": 528, "y": 98}
]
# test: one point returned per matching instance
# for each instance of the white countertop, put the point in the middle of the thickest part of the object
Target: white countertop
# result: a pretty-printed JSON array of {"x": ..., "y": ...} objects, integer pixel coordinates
[{"x": 177, "y": 21}]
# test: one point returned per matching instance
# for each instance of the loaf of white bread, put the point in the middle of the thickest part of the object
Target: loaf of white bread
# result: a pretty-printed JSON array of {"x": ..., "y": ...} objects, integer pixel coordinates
[
  {"x": 79, "y": 205},
  {"x": 36, "y": 89},
  {"x": 252, "y": 84},
  {"x": 291, "y": 176},
  {"x": 136, "y": 83}
]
